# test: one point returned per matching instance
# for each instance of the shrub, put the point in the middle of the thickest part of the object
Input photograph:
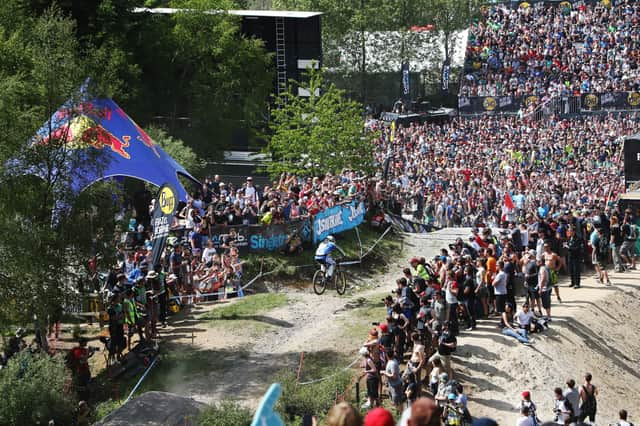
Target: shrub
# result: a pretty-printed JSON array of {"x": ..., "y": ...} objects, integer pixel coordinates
[
  {"x": 226, "y": 413},
  {"x": 315, "y": 399},
  {"x": 35, "y": 389}
]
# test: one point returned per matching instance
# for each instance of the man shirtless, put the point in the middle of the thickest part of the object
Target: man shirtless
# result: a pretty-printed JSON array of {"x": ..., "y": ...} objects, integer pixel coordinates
[{"x": 552, "y": 261}]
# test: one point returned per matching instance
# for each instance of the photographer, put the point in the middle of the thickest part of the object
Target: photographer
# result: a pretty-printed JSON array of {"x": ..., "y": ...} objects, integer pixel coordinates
[{"x": 79, "y": 362}]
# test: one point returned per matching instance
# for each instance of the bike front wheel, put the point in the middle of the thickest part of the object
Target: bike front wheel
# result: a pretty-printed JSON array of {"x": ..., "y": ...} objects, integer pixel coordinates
[
  {"x": 319, "y": 282},
  {"x": 341, "y": 283}
]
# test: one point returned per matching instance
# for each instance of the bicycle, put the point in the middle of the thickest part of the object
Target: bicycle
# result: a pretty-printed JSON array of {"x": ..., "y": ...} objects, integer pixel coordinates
[{"x": 320, "y": 281}]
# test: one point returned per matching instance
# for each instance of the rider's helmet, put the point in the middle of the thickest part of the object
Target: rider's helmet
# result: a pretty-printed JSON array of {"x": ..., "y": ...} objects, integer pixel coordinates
[
  {"x": 20, "y": 333},
  {"x": 331, "y": 238},
  {"x": 452, "y": 396}
]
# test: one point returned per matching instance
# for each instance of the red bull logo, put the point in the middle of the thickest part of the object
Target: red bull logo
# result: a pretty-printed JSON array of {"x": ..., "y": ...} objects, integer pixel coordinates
[{"x": 83, "y": 131}]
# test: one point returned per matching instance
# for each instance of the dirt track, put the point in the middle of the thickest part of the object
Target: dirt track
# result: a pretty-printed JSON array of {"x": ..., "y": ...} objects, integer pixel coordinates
[{"x": 593, "y": 330}]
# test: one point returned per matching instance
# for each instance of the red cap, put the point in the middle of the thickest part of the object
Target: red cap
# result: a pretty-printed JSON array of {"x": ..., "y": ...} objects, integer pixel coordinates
[
  {"x": 414, "y": 260},
  {"x": 526, "y": 395},
  {"x": 379, "y": 417},
  {"x": 384, "y": 328}
]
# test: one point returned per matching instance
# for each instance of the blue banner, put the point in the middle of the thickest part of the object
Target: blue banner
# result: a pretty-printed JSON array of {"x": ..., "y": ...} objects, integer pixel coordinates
[{"x": 337, "y": 219}]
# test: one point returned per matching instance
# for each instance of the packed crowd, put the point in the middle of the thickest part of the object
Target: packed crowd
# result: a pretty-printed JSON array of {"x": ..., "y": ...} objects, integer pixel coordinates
[
  {"x": 459, "y": 173},
  {"x": 288, "y": 199},
  {"x": 548, "y": 49},
  {"x": 481, "y": 278}
]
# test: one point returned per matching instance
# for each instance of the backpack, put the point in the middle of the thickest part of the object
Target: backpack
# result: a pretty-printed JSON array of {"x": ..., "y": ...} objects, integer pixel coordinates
[
  {"x": 413, "y": 298},
  {"x": 633, "y": 232}
]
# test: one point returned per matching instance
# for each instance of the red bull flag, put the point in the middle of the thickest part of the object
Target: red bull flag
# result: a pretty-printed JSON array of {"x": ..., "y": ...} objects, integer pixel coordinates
[{"x": 125, "y": 150}]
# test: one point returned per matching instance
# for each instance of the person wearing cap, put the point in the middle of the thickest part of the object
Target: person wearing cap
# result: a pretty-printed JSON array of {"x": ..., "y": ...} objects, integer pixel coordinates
[
  {"x": 575, "y": 255},
  {"x": 531, "y": 408},
  {"x": 525, "y": 417},
  {"x": 377, "y": 417},
  {"x": 447, "y": 344}
]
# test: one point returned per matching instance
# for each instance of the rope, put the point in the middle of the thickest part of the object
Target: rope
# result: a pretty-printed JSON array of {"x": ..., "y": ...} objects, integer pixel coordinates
[
  {"x": 331, "y": 375},
  {"x": 135, "y": 388}
]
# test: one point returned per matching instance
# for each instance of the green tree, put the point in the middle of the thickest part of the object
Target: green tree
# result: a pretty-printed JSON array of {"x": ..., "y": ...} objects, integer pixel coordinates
[
  {"x": 203, "y": 79},
  {"x": 34, "y": 389},
  {"x": 176, "y": 149},
  {"x": 48, "y": 231},
  {"x": 320, "y": 133}
]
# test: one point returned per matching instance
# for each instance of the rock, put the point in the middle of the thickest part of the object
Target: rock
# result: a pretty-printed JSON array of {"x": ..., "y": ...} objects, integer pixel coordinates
[{"x": 155, "y": 409}]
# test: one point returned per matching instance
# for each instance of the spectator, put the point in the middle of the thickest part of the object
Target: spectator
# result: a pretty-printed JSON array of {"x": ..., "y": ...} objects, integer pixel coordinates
[
  {"x": 623, "y": 419},
  {"x": 588, "y": 403},
  {"x": 343, "y": 414}
]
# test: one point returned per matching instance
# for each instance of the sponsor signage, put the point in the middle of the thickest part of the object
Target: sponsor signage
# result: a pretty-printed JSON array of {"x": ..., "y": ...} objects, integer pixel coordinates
[{"x": 338, "y": 219}]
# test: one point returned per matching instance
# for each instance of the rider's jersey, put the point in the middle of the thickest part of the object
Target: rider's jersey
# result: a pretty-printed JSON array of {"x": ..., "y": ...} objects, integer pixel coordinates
[{"x": 324, "y": 249}]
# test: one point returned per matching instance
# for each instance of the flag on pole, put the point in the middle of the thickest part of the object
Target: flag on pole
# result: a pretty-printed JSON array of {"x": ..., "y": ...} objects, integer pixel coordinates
[{"x": 508, "y": 201}]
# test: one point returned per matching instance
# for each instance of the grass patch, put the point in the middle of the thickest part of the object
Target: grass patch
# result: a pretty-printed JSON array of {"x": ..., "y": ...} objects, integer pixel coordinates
[
  {"x": 247, "y": 307},
  {"x": 361, "y": 312}
]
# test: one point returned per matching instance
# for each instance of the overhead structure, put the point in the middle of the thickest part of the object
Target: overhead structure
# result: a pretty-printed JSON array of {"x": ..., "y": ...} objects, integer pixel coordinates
[{"x": 122, "y": 148}]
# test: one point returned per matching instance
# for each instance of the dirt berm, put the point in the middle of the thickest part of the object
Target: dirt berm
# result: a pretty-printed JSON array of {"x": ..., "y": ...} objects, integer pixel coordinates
[{"x": 594, "y": 330}]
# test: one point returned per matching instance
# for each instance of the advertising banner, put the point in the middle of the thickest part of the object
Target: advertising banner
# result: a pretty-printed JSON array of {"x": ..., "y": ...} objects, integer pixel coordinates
[
  {"x": 610, "y": 101},
  {"x": 165, "y": 207},
  {"x": 407, "y": 225},
  {"x": 337, "y": 219},
  {"x": 490, "y": 104},
  {"x": 406, "y": 84},
  {"x": 258, "y": 238}
]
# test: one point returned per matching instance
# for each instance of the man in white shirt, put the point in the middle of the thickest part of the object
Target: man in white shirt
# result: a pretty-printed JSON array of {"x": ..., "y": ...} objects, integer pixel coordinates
[
  {"x": 525, "y": 317},
  {"x": 623, "y": 419},
  {"x": 524, "y": 419}
]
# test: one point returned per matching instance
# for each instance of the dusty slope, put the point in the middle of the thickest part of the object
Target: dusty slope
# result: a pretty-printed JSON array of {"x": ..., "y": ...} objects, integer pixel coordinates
[{"x": 593, "y": 330}]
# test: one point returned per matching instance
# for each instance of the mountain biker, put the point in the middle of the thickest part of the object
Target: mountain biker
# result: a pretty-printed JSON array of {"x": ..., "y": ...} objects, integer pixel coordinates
[{"x": 323, "y": 254}]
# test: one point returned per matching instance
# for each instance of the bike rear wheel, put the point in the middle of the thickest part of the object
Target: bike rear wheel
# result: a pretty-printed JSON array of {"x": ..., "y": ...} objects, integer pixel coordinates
[
  {"x": 340, "y": 282},
  {"x": 319, "y": 282}
]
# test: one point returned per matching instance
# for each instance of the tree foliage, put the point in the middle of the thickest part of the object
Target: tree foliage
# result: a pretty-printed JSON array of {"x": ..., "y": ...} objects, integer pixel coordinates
[
  {"x": 176, "y": 148},
  {"x": 319, "y": 133},
  {"x": 34, "y": 389},
  {"x": 47, "y": 230}
]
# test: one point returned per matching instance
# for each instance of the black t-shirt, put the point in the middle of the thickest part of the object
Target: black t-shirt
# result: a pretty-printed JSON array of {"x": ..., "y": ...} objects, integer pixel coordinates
[
  {"x": 387, "y": 340},
  {"x": 531, "y": 274},
  {"x": 468, "y": 292},
  {"x": 616, "y": 232},
  {"x": 445, "y": 337}
]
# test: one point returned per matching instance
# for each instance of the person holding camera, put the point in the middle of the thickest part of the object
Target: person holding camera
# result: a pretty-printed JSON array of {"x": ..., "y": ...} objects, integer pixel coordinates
[
  {"x": 79, "y": 362},
  {"x": 562, "y": 408}
]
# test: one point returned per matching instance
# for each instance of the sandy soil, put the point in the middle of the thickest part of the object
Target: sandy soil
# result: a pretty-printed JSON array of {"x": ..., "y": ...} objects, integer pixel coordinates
[{"x": 592, "y": 330}]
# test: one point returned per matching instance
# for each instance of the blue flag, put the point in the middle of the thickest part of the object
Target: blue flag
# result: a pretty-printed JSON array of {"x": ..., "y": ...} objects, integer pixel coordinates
[{"x": 265, "y": 415}]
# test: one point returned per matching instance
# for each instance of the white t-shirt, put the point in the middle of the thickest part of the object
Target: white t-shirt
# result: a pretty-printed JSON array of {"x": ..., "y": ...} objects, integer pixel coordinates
[
  {"x": 500, "y": 284},
  {"x": 207, "y": 254},
  {"x": 523, "y": 318},
  {"x": 524, "y": 421}
]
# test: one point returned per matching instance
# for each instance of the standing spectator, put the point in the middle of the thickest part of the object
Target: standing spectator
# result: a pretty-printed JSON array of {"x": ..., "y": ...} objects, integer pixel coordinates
[
  {"x": 562, "y": 409},
  {"x": 588, "y": 405},
  {"x": 499, "y": 285},
  {"x": 394, "y": 382},
  {"x": 572, "y": 395},
  {"x": 531, "y": 408},
  {"x": 575, "y": 255},
  {"x": 451, "y": 297},
  {"x": 525, "y": 419},
  {"x": 370, "y": 371}
]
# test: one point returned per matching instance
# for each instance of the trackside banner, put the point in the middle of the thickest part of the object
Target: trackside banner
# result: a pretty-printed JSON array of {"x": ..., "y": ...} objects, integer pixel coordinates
[
  {"x": 337, "y": 219},
  {"x": 407, "y": 225},
  {"x": 260, "y": 239}
]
